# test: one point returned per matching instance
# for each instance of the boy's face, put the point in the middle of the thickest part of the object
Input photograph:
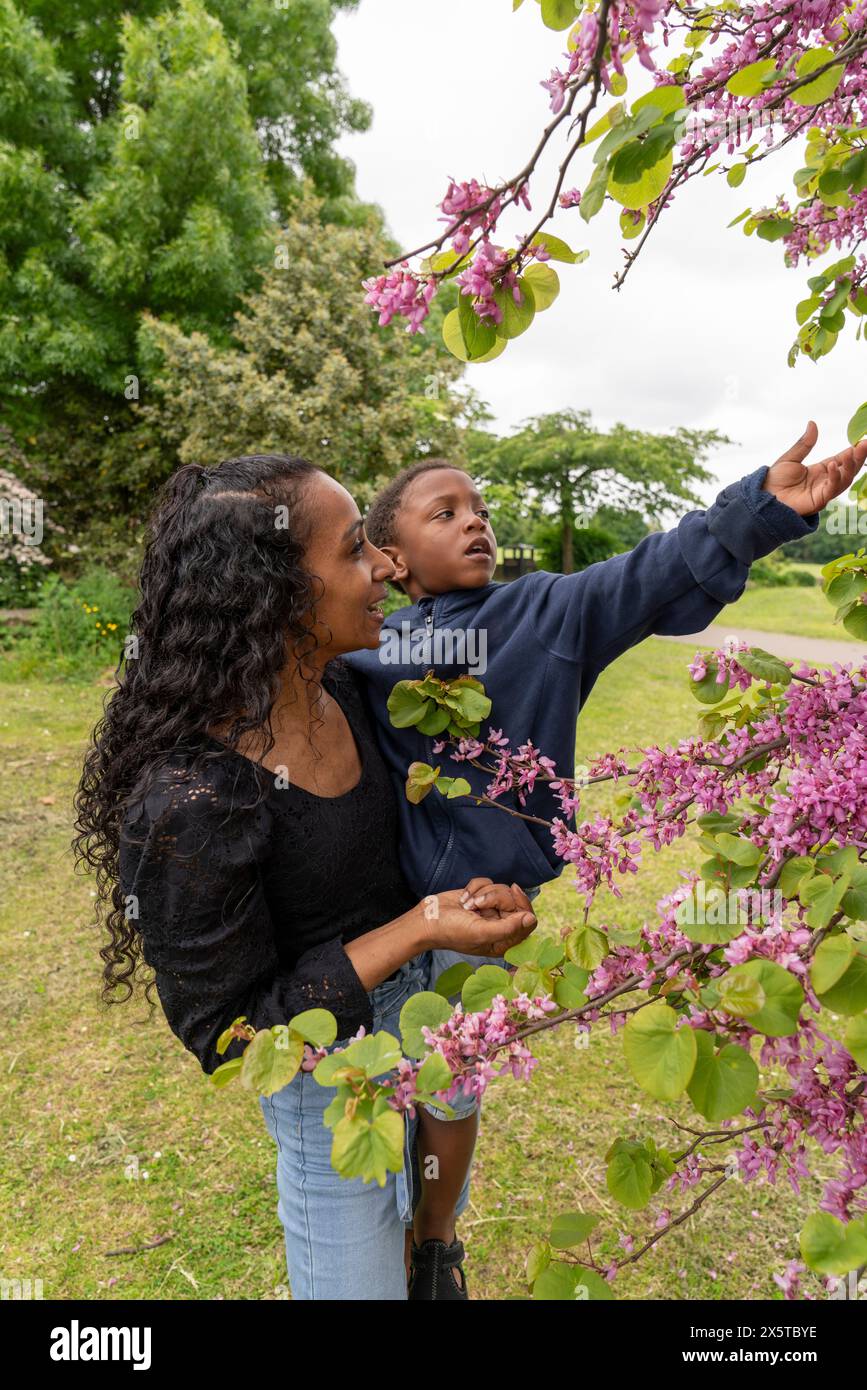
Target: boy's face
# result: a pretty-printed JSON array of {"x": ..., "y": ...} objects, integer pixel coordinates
[{"x": 444, "y": 539}]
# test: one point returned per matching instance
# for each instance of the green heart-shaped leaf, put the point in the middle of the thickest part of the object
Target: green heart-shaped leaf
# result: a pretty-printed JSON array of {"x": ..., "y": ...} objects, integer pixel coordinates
[
  {"x": 482, "y": 987},
  {"x": 856, "y": 1040},
  {"x": 660, "y": 1055},
  {"x": 724, "y": 1083},
  {"x": 369, "y": 1149},
  {"x": 831, "y": 1247},
  {"x": 849, "y": 995},
  {"x": 571, "y": 1228},
  {"x": 424, "y": 1009},
  {"x": 832, "y": 959},
  {"x": 268, "y": 1067},
  {"x": 317, "y": 1026},
  {"x": 629, "y": 1178},
  {"x": 784, "y": 997}
]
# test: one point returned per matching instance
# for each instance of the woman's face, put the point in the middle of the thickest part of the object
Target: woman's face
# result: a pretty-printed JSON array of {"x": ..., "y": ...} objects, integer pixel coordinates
[{"x": 349, "y": 613}]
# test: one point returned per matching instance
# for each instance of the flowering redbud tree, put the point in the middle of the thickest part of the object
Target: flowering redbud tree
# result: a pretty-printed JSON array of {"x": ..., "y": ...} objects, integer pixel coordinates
[
  {"x": 754, "y": 968},
  {"x": 733, "y": 83},
  {"x": 755, "y": 963}
]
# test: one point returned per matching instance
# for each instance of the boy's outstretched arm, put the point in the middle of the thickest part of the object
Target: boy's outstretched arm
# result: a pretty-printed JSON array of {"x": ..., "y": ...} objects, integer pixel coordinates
[{"x": 678, "y": 581}]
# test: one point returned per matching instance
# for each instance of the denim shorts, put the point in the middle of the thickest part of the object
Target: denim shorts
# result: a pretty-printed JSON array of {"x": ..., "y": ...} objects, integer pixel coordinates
[{"x": 345, "y": 1237}]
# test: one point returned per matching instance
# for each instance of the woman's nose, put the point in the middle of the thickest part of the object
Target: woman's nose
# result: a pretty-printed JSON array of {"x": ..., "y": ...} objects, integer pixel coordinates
[{"x": 384, "y": 567}]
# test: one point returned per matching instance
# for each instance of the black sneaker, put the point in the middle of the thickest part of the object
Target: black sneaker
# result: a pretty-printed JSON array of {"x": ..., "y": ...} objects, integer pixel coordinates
[{"x": 430, "y": 1275}]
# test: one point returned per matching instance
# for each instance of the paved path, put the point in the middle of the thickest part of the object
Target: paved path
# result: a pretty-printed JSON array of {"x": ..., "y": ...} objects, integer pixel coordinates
[{"x": 818, "y": 650}]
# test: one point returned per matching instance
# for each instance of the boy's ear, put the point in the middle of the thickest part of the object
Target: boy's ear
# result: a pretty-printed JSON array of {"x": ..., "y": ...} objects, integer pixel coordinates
[{"x": 401, "y": 569}]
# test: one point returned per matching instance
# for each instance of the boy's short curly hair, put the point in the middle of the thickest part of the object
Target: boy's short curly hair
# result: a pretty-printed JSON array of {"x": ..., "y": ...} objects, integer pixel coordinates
[{"x": 380, "y": 523}]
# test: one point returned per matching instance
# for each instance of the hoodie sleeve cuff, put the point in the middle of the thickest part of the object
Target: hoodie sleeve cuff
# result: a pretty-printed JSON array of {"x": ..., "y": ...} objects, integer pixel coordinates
[{"x": 751, "y": 522}]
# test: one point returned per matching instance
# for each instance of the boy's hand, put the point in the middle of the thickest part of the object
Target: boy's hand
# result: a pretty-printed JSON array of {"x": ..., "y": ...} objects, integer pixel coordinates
[
  {"x": 486, "y": 931},
  {"x": 806, "y": 488},
  {"x": 491, "y": 899}
]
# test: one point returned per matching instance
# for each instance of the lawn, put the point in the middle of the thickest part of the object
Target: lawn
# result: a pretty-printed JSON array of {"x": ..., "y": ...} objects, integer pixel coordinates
[
  {"x": 127, "y": 1175},
  {"x": 804, "y": 612}
]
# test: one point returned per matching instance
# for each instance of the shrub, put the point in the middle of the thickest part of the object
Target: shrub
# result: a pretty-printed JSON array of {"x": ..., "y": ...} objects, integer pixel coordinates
[
  {"x": 771, "y": 574},
  {"x": 79, "y": 629},
  {"x": 589, "y": 544}
]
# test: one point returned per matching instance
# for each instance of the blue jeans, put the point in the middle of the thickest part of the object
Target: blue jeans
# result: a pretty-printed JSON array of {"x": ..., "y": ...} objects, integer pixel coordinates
[{"x": 345, "y": 1237}]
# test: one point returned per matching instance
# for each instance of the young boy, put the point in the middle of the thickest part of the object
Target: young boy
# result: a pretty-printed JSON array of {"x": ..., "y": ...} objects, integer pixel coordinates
[{"x": 539, "y": 643}]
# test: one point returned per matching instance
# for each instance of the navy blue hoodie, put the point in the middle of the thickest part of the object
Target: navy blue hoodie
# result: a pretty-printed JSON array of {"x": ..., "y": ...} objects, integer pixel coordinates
[{"x": 548, "y": 636}]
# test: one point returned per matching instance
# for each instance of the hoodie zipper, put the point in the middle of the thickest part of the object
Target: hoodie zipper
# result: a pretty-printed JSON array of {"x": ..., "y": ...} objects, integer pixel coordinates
[
  {"x": 429, "y": 627},
  {"x": 442, "y": 860}
]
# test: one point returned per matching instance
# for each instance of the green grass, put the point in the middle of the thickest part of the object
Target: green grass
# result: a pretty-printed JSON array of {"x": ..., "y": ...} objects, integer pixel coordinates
[
  {"x": 89, "y": 1093},
  {"x": 803, "y": 612}
]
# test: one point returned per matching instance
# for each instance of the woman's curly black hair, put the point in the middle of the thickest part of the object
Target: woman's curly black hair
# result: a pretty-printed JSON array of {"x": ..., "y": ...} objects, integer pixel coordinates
[{"x": 225, "y": 602}]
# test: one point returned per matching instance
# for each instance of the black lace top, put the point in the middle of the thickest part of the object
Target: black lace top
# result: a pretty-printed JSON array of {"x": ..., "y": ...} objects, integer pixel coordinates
[{"x": 245, "y": 911}]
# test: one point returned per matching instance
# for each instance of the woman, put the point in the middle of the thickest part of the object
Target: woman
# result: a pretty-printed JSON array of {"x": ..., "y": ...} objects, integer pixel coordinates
[{"x": 243, "y": 829}]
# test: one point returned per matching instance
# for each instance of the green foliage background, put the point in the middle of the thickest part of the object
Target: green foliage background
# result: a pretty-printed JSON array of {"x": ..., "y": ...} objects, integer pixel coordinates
[{"x": 151, "y": 167}]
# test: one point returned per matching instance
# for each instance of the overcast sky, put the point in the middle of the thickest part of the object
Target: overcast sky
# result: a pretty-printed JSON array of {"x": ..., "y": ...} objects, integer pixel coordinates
[{"x": 698, "y": 335}]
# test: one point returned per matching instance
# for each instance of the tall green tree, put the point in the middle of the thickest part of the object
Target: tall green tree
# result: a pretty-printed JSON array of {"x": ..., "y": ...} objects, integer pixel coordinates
[
  {"x": 308, "y": 371},
  {"x": 560, "y": 465},
  {"x": 145, "y": 162},
  {"x": 142, "y": 161},
  {"x": 163, "y": 215},
  {"x": 285, "y": 48}
]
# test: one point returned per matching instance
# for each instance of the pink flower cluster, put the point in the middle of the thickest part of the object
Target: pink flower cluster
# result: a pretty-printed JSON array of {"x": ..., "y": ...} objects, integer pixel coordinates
[
  {"x": 468, "y": 206},
  {"x": 824, "y": 1107},
  {"x": 728, "y": 671},
  {"x": 519, "y": 771},
  {"x": 484, "y": 277},
  {"x": 790, "y": 1280},
  {"x": 467, "y": 1040},
  {"x": 628, "y": 25},
  {"x": 403, "y": 293}
]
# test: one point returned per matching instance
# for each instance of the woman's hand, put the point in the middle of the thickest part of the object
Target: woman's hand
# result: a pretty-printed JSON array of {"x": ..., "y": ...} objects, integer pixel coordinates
[{"x": 501, "y": 919}]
